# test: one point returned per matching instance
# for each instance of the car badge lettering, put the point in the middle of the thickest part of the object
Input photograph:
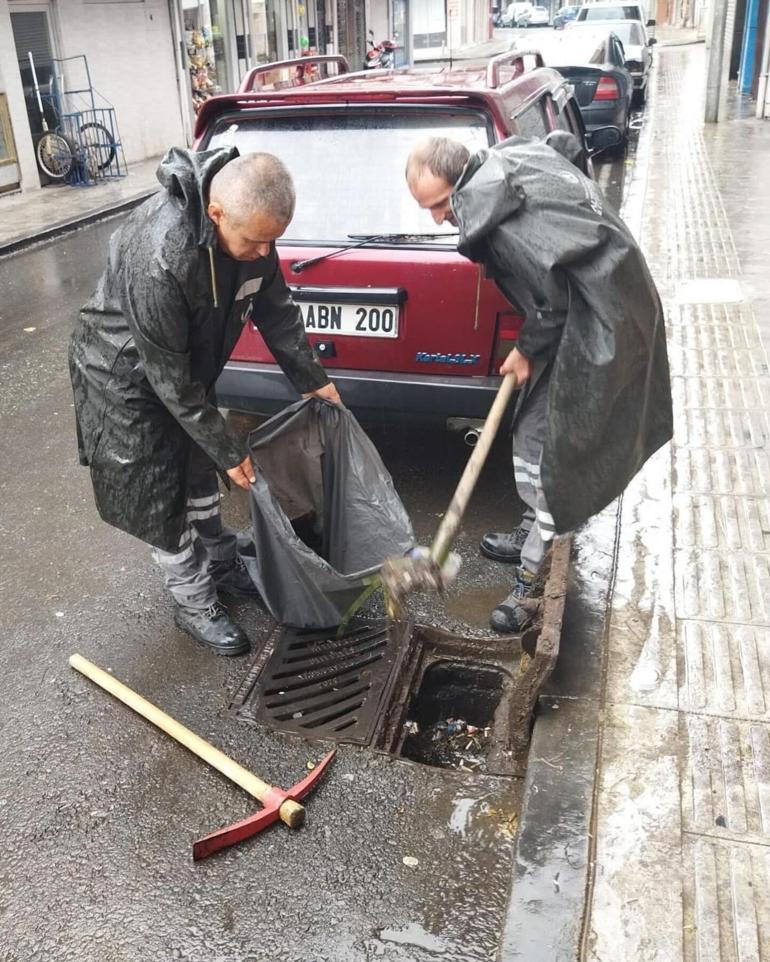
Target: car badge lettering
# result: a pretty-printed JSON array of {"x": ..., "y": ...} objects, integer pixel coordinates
[{"x": 423, "y": 357}]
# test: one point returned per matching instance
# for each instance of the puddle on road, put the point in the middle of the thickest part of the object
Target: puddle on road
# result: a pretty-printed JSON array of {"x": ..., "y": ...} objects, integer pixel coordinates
[
  {"x": 477, "y": 817},
  {"x": 475, "y": 606},
  {"x": 416, "y": 936}
]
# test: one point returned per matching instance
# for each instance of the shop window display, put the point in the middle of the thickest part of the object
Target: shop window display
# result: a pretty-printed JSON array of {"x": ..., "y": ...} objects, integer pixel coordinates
[{"x": 205, "y": 53}]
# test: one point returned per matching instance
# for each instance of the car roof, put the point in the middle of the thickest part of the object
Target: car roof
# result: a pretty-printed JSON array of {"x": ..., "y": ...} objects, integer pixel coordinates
[
  {"x": 461, "y": 86},
  {"x": 585, "y": 39},
  {"x": 609, "y": 26},
  {"x": 588, "y": 24}
]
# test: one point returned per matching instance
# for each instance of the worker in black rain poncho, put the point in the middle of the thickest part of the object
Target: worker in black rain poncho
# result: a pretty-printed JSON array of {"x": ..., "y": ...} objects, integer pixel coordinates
[
  {"x": 595, "y": 399},
  {"x": 186, "y": 271}
]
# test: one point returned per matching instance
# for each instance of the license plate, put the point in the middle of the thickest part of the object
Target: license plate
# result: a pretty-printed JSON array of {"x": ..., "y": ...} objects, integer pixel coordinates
[{"x": 358, "y": 320}]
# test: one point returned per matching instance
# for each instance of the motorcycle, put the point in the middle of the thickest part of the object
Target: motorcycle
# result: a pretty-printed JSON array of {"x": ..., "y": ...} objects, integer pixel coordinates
[{"x": 380, "y": 56}]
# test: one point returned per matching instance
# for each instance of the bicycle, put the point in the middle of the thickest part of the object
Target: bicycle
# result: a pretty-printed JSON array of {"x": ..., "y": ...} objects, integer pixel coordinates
[{"x": 60, "y": 155}]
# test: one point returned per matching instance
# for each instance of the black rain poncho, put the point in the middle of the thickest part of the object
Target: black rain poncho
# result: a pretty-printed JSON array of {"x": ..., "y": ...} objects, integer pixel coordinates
[
  {"x": 152, "y": 341},
  {"x": 560, "y": 254}
]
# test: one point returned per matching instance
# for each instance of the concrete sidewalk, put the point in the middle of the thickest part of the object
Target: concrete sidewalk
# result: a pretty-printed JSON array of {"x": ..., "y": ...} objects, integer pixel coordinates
[
  {"x": 499, "y": 43},
  {"x": 680, "y": 839},
  {"x": 31, "y": 217}
]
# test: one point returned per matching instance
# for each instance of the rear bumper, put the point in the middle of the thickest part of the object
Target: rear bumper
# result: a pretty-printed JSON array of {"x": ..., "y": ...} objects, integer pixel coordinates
[
  {"x": 263, "y": 388},
  {"x": 611, "y": 115}
]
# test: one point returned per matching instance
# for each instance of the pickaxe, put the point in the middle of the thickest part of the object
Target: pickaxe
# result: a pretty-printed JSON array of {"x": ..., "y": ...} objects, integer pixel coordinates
[{"x": 277, "y": 803}]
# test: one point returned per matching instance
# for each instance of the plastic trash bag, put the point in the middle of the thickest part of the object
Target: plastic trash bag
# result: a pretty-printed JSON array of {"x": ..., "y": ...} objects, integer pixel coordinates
[{"x": 317, "y": 468}]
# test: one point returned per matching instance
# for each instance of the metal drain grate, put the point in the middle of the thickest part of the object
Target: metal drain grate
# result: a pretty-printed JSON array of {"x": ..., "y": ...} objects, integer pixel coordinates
[{"x": 315, "y": 684}]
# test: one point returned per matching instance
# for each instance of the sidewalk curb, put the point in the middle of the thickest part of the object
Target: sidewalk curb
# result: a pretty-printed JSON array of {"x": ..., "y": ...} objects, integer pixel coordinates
[
  {"x": 73, "y": 224},
  {"x": 551, "y": 867}
]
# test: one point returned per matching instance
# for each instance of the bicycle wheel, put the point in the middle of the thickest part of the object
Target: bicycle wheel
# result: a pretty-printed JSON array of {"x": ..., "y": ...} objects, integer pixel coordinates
[
  {"x": 55, "y": 155},
  {"x": 99, "y": 144}
]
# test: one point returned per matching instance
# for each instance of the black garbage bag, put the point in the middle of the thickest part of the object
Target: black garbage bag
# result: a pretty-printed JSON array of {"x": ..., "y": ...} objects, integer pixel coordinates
[{"x": 324, "y": 514}]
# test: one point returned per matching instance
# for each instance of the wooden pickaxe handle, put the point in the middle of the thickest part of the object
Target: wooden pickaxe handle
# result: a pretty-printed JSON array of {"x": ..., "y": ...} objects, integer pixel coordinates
[{"x": 290, "y": 812}]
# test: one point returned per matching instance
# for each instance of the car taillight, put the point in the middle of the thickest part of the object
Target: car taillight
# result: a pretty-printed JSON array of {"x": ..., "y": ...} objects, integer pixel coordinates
[
  {"x": 607, "y": 89},
  {"x": 508, "y": 327}
]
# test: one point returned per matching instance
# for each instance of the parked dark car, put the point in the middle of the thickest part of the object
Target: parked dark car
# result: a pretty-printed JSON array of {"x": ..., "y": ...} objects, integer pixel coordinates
[
  {"x": 593, "y": 61},
  {"x": 564, "y": 16},
  {"x": 637, "y": 49},
  {"x": 403, "y": 323}
]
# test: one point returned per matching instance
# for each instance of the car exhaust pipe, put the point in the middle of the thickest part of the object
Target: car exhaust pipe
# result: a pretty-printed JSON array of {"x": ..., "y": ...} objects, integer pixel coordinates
[{"x": 471, "y": 437}]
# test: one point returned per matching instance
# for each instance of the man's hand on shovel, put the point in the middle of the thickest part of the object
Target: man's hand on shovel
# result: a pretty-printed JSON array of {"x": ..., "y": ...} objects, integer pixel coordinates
[{"x": 518, "y": 365}]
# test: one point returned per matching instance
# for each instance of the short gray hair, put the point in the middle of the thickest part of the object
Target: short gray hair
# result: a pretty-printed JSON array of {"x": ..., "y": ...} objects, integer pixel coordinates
[
  {"x": 442, "y": 156},
  {"x": 254, "y": 183}
]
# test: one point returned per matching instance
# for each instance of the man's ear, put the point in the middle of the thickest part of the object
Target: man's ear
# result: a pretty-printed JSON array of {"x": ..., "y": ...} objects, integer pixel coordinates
[{"x": 215, "y": 212}]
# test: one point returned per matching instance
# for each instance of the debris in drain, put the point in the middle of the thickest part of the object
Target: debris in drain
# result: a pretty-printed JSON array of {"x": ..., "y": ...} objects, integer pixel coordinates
[{"x": 449, "y": 743}]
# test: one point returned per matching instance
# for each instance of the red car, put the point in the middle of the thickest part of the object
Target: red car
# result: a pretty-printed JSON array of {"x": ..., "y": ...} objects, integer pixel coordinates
[{"x": 402, "y": 322}]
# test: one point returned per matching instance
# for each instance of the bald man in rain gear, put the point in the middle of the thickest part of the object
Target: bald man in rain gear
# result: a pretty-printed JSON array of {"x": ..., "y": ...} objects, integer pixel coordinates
[
  {"x": 591, "y": 362},
  {"x": 186, "y": 271}
]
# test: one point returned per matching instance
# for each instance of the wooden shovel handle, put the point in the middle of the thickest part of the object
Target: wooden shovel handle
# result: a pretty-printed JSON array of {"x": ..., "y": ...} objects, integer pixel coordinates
[
  {"x": 454, "y": 513},
  {"x": 290, "y": 812}
]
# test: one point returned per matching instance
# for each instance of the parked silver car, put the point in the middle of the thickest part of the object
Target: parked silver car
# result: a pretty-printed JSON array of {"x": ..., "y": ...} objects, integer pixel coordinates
[
  {"x": 593, "y": 12},
  {"x": 637, "y": 49}
]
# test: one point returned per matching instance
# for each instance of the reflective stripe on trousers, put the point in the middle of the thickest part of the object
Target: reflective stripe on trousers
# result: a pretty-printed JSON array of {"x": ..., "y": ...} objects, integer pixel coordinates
[
  {"x": 204, "y": 539},
  {"x": 528, "y": 438}
]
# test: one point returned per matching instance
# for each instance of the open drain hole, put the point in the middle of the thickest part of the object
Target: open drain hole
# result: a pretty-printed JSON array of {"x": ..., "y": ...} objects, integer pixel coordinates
[{"x": 454, "y": 712}]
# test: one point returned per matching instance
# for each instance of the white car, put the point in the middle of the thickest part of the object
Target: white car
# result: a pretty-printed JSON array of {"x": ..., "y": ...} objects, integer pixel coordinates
[
  {"x": 593, "y": 12},
  {"x": 518, "y": 14},
  {"x": 637, "y": 49},
  {"x": 540, "y": 17}
]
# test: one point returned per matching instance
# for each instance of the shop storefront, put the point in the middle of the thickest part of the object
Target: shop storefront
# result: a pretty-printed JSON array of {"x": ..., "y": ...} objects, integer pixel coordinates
[{"x": 222, "y": 39}]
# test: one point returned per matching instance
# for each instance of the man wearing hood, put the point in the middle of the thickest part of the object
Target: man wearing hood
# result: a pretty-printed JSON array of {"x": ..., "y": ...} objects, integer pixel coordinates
[
  {"x": 591, "y": 362},
  {"x": 186, "y": 271}
]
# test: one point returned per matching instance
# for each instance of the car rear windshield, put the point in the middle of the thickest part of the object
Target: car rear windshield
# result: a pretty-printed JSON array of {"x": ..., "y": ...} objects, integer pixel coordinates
[
  {"x": 572, "y": 47},
  {"x": 621, "y": 12},
  {"x": 348, "y": 168},
  {"x": 630, "y": 34}
]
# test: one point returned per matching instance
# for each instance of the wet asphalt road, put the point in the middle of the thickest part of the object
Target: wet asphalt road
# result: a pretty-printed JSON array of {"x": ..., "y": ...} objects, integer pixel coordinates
[{"x": 98, "y": 810}]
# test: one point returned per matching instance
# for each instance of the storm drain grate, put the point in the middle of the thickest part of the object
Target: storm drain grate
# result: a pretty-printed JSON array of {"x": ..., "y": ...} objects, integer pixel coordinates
[
  {"x": 363, "y": 687},
  {"x": 316, "y": 684}
]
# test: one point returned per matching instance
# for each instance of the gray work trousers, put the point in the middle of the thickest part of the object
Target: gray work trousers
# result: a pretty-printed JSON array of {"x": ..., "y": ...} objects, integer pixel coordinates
[
  {"x": 528, "y": 439},
  {"x": 204, "y": 540}
]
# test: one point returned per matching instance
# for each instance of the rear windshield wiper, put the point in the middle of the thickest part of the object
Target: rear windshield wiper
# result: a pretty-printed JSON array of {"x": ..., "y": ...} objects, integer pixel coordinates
[{"x": 361, "y": 240}]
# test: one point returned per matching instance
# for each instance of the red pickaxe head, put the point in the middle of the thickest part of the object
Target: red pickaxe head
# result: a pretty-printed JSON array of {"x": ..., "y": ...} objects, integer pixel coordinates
[{"x": 273, "y": 801}]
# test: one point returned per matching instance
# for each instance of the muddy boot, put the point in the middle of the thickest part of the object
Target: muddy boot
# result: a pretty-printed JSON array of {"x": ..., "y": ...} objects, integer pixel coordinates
[
  {"x": 232, "y": 578},
  {"x": 511, "y": 615},
  {"x": 213, "y": 628},
  {"x": 504, "y": 545}
]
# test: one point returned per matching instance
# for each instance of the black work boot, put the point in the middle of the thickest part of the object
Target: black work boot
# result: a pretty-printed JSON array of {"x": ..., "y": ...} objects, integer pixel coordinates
[
  {"x": 511, "y": 615},
  {"x": 213, "y": 628},
  {"x": 504, "y": 545},
  {"x": 233, "y": 578}
]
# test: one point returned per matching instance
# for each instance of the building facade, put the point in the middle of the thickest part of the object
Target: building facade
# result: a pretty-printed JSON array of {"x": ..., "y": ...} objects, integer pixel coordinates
[
  {"x": 130, "y": 59},
  {"x": 156, "y": 61}
]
